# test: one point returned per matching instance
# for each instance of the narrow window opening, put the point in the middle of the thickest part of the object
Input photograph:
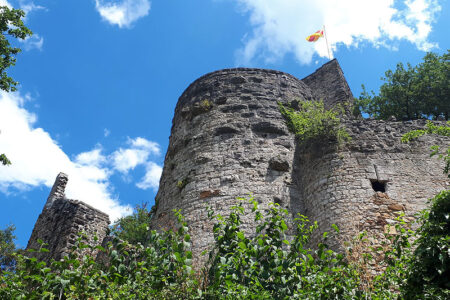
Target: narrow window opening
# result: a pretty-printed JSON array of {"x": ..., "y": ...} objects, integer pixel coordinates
[{"x": 378, "y": 186}]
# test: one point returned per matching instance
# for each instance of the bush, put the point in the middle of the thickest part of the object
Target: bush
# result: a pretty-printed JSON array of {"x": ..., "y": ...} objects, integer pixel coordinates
[
  {"x": 312, "y": 122},
  {"x": 267, "y": 265}
]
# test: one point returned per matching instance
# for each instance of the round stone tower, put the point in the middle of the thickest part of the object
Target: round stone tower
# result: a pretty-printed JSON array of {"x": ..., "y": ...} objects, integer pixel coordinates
[{"x": 228, "y": 140}]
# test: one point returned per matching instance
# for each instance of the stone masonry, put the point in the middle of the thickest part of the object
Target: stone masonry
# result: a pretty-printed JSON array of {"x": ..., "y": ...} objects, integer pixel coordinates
[
  {"x": 62, "y": 219},
  {"x": 229, "y": 140}
]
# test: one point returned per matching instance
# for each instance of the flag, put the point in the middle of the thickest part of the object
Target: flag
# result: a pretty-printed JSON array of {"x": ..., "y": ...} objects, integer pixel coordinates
[{"x": 315, "y": 36}]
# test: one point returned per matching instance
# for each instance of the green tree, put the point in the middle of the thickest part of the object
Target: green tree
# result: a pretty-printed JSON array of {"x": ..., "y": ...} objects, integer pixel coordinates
[
  {"x": 134, "y": 228},
  {"x": 11, "y": 25},
  {"x": 412, "y": 92},
  {"x": 7, "y": 248}
]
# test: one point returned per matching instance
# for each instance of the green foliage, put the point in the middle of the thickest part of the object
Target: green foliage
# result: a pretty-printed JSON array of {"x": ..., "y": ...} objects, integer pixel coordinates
[
  {"x": 182, "y": 183},
  {"x": 11, "y": 24},
  {"x": 429, "y": 268},
  {"x": 269, "y": 264},
  {"x": 205, "y": 104},
  {"x": 7, "y": 248},
  {"x": 4, "y": 160},
  {"x": 412, "y": 92},
  {"x": 431, "y": 128},
  {"x": 313, "y": 123},
  {"x": 134, "y": 228},
  {"x": 160, "y": 271}
]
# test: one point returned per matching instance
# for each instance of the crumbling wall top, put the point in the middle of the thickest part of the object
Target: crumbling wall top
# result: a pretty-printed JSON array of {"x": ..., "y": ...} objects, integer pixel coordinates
[
  {"x": 58, "y": 189},
  {"x": 328, "y": 84},
  {"x": 239, "y": 78}
]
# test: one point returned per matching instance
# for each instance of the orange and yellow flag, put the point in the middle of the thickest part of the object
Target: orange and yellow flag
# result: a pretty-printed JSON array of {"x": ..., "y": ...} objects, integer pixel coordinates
[{"x": 315, "y": 36}]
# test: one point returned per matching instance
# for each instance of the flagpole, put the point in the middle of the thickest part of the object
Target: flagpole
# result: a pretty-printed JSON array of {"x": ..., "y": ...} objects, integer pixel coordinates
[{"x": 326, "y": 40}]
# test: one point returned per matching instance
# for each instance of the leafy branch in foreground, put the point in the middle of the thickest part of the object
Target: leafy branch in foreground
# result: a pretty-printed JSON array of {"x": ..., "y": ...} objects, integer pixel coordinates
[
  {"x": 271, "y": 263},
  {"x": 4, "y": 160}
]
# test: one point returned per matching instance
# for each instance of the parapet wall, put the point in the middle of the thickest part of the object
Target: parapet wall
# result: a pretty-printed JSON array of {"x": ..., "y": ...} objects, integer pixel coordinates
[
  {"x": 364, "y": 185},
  {"x": 328, "y": 84},
  {"x": 62, "y": 220}
]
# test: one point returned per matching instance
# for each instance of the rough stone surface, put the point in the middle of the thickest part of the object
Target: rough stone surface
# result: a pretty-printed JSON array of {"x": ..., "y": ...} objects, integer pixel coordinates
[
  {"x": 62, "y": 219},
  {"x": 336, "y": 186},
  {"x": 229, "y": 140}
]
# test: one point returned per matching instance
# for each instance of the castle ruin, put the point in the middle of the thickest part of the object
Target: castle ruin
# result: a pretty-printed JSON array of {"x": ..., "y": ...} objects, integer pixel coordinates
[
  {"x": 61, "y": 221},
  {"x": 229, "y": 140}
]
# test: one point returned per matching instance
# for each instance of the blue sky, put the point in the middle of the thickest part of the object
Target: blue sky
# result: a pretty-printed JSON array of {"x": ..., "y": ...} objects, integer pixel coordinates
[{"x": 99, "y": 80}]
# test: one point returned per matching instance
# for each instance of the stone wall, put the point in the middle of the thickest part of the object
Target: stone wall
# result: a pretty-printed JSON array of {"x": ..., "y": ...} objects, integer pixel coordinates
[
  {"x": 62, "y": 219},
  {"x": 363, "y": 185},
  {"x": 229, "y": 139},
  {"x": 328, "y": 84}
]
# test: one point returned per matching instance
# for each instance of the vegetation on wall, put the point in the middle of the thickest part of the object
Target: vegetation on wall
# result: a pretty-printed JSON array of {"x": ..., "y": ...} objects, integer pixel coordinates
[
  {"x": 411, "y": 92},
  {"x": 431, "y": 128},
  {"x": 312, "y": 122}
]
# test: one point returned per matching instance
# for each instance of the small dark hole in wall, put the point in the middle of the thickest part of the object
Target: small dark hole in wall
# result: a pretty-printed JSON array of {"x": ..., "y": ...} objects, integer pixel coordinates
[
  {"x": 277, "y": 200},
  {"x": 378, "y": 186}
]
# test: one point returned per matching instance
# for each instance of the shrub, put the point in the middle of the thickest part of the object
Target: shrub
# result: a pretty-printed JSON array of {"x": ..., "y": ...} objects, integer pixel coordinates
[
  {"x": 267, "y": 265},
  {"x": 312, "y": 122}
]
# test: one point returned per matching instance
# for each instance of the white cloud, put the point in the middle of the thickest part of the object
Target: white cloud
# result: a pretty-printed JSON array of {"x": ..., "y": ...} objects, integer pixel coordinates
[
  {"x": 127, "y": 159},
  {"x": 37, "y": 159},
  {"x": 281, "y": 26},
  {"x": 140, "y": 149},
  {"x": 151, "y": 178},
  {"x": 33, "y": 42},
  {"x": 151, "y": 147},
  {"x": 93, "y": 157},
  {"x": 29, "y": 6},
  {"x": 106, "y": 132},
  {"x": 5, "y": 3},
  {"x": 122, "y": 13}
]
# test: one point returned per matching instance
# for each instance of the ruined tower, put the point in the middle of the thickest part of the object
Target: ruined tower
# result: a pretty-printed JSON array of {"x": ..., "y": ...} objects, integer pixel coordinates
[
  {"x": 229, "y": 139},
  {"x": 62, "y": 219}
]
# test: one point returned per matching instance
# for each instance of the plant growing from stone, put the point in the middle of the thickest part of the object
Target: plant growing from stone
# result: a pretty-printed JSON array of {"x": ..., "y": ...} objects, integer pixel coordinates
[{"x": 313, "y": 123}]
